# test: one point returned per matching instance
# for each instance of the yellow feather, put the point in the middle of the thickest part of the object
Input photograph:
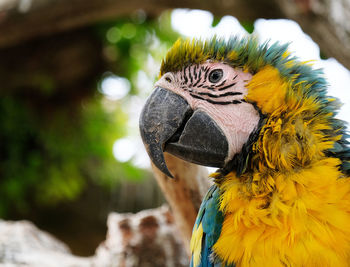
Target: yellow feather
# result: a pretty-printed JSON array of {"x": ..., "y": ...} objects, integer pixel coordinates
[
  {"x": 302, "y": 220},
  {"x": 196, "y": 245},
  {"x": 267, "y": 89}
]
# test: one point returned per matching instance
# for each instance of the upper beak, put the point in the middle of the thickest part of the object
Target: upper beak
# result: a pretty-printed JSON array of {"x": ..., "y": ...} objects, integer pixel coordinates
[{"x": 168, "y": 123}]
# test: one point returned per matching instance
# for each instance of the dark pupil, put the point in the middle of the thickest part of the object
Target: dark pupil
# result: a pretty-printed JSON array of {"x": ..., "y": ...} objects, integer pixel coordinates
[{"x": 215, "y": 75}]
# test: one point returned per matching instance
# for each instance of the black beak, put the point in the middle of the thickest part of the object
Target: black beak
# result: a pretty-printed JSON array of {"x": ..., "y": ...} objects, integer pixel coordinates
[{"x": 168, "y": 123}]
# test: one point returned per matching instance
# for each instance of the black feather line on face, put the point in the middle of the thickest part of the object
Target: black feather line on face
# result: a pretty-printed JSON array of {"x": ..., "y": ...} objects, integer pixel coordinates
[
  {"x": 185, "y": 76},
  {"x": 241, "y": 161},
  {"x": 195, "y": 84},
  {"x": 221, "y": 84},
  {"x": 208, "y": 87},
  {"x": 217, "y": 96},
  {"x": 227, "y": 86},
  {"x": 199, "y": 79},
  {"x": 216, "y": 102},
  {"x": 206, "y": 74},
  {"x": 189, "y": 73}
]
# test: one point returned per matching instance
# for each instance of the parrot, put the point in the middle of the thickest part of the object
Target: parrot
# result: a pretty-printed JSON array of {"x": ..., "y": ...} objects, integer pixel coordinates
[{"x": 281, "y": 193}]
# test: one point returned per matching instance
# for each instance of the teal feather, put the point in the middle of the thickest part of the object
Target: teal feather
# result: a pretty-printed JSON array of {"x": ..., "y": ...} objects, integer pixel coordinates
[{"x": 211, "y": 218}]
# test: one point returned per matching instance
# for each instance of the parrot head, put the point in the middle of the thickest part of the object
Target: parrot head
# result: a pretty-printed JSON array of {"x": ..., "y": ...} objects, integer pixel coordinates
[{"x": 214, "y": 98}]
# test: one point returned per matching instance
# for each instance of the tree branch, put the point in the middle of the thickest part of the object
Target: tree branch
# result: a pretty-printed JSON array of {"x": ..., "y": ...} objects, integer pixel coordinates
[
  {"x": 46, "y": 17},
  {"x": 325, "y": 21},
  {"x": 184, "y": 193}
]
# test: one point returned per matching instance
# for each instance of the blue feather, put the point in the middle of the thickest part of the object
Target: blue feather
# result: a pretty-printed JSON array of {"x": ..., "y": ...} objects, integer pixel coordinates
[{"x": 211, "y": 218}]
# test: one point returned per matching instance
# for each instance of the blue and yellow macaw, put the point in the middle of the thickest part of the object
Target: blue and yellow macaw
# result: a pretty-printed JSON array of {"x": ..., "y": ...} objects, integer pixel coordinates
[{"x": 282, "y": 194}]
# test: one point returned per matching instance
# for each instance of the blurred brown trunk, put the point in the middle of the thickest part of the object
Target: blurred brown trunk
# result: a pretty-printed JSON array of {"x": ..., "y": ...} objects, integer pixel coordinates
[{"x": 184, "y": 193}]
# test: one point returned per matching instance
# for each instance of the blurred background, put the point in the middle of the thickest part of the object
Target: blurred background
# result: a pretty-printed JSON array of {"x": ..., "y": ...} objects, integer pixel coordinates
[{"x": 74, "y": 76}]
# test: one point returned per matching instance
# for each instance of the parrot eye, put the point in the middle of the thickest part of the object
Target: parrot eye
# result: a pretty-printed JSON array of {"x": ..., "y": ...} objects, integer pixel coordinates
[{"x": 215, "y": 75}]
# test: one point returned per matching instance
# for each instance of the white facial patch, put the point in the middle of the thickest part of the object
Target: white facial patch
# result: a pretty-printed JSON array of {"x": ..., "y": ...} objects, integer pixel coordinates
[{"x": 219, "y": 90}]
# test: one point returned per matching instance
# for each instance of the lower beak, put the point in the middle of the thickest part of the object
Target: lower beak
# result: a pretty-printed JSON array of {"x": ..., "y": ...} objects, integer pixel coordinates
[{"x": 168, "y": 123}]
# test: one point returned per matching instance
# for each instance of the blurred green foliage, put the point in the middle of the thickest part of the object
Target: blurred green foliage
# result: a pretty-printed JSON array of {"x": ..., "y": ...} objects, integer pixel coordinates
[
  {"x": 47, "y": 159},
  {"x": 129, "y": 42},
  {"x": 248, "y": 26},
  {"x": 49, "y": 156}
]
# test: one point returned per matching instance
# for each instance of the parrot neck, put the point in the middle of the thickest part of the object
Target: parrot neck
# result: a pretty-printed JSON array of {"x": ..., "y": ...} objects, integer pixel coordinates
[{"x": 240, "y": 162}]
